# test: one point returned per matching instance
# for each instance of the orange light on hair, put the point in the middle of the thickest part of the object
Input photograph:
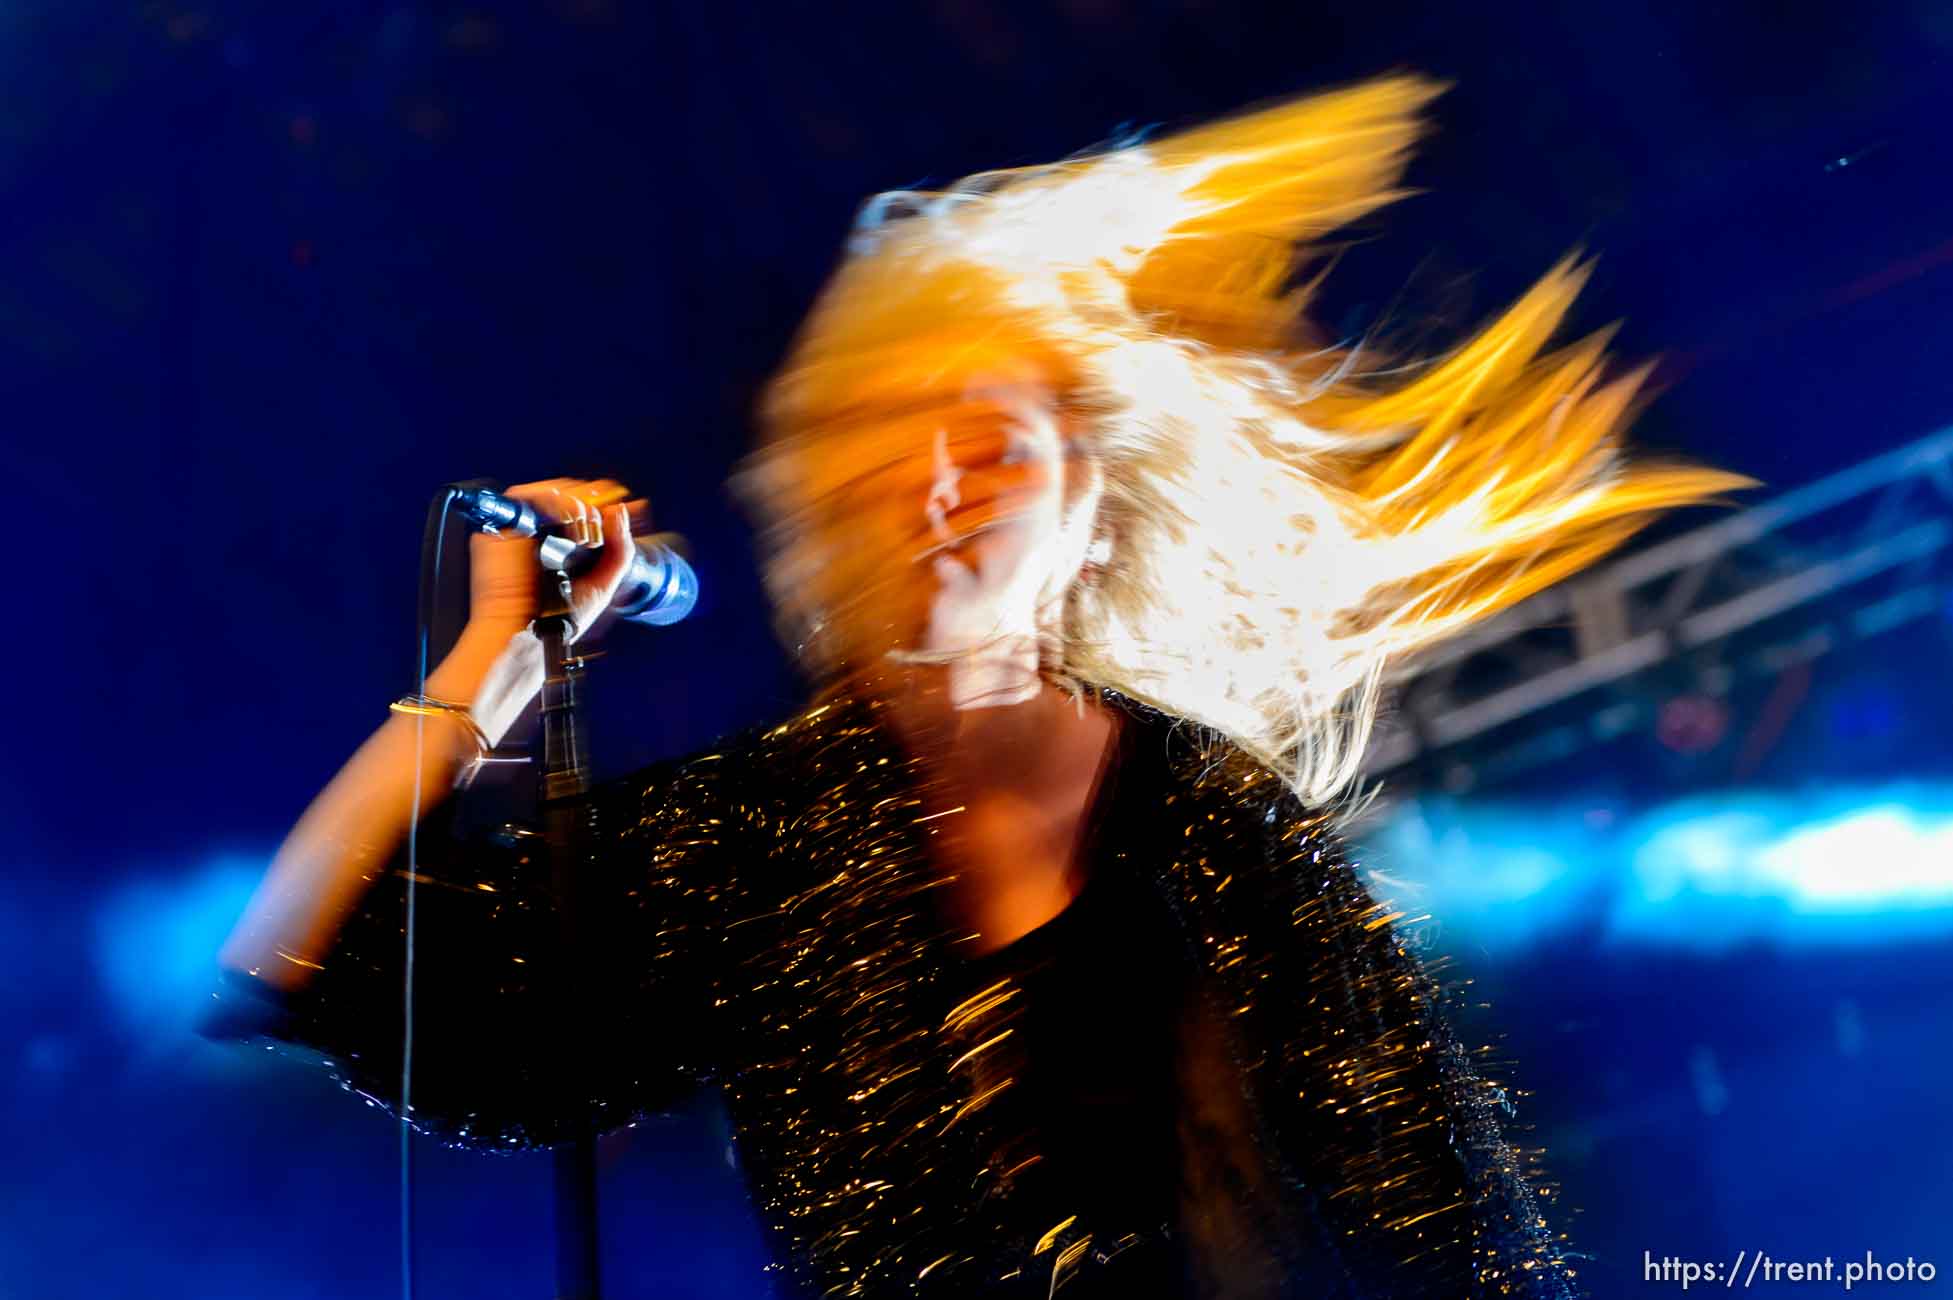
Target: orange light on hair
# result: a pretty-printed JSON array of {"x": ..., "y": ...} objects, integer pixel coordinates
[{"x": 1282, "y": 527}]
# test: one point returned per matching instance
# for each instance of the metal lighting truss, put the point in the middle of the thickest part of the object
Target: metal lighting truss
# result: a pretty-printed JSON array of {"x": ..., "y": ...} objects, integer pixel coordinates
[{"x": 1841, "y": 559}]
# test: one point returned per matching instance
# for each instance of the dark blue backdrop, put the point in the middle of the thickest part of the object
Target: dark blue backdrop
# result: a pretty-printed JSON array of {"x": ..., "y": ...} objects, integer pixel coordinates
[{"x": 268, "y": 274}]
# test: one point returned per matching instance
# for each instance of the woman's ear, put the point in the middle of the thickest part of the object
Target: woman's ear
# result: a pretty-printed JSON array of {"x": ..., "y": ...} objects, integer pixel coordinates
[
  {"x": 1084, "y": 488},
  {"x": 1077, "y": 525}
]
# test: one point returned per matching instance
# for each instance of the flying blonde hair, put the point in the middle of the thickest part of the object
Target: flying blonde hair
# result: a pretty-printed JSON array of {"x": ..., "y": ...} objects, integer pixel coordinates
[{"x": 1279, "y": 529}]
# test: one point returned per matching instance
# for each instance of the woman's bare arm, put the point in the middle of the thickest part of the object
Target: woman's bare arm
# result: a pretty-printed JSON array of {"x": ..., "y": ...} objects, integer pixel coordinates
[{"x": 358, "y": 822}]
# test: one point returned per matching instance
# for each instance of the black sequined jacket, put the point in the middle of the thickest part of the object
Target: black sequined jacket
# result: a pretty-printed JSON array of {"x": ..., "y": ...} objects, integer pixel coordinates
[{"x": 766, "y": 916}]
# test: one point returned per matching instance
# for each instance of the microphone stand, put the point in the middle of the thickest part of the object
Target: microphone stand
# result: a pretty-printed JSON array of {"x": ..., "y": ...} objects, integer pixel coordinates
[{"x": 566, "y": 817}]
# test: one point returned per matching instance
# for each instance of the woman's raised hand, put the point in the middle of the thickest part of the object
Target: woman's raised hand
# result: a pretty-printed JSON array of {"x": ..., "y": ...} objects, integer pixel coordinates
[
  {"x": 496, "y": 667},
  {"x": 504, "y": 592},
  {"x": 342, "y": 843}
]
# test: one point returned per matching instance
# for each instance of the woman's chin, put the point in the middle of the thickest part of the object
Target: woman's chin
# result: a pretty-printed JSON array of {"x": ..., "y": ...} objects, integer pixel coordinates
[{"x": 981, "y": 684}]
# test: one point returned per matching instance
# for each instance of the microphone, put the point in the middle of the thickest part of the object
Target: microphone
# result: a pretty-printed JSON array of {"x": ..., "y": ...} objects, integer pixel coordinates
[{"x": 659, "y": 590}]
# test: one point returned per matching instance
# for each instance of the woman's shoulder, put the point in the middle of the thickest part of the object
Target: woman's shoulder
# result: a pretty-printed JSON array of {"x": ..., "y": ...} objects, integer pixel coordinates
[
  {"x": 1184, "y": 765},
  {"x": 1195, "y": 760},
  {"x": 748, "y": 767}
]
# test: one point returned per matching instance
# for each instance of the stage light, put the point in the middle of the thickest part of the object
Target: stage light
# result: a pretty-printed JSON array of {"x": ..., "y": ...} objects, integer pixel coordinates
[
  {"x": 1879, "y": 858},
  {"x": 1827, "y": 867},
  {"x": 1832, "y": 867},
  {"x": 157, "y": 939}
]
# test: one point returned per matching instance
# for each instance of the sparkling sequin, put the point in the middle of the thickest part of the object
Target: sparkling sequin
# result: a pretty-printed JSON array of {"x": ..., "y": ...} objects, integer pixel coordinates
[{"x": 769, "y": 917}]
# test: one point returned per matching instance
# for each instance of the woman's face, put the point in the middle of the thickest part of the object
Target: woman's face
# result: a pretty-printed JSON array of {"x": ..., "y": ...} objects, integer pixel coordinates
[{"x": 967, "y": 515}]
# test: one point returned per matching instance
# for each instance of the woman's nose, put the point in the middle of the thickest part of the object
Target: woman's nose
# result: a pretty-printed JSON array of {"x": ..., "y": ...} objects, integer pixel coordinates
[{"x": 944, "y": 495}]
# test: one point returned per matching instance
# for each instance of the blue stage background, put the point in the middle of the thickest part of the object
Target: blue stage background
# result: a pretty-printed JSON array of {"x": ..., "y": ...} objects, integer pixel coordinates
[{"x": 269, "y": 274}]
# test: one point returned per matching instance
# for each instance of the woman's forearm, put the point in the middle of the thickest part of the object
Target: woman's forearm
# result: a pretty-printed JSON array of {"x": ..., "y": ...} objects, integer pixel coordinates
[{"x": 354, "y": 827}]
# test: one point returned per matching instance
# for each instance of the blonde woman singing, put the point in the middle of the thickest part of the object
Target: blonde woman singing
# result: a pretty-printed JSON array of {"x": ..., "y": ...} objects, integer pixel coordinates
[{"x": 1027, "y": 954}]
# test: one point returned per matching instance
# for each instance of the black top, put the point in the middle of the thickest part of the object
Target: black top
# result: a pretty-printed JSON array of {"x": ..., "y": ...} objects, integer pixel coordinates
[
  {"x": 1102, "y": 985},
  {"x": 764, "y": 916},
  {"x": 1096, "y": 1097}
]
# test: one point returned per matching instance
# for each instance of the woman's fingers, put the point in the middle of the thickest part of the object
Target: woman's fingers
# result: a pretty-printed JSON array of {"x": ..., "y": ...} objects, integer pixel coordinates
[
  {"x": 593, "y": 513},
  {"x": 593, "y": 503},
  {"x": 613, "y": 560},
  {"x": 567, "y": 508},
  {"x": 574, "y": 506}
]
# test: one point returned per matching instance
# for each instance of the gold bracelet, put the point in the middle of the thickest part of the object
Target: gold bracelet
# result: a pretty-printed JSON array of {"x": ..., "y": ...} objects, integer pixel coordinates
[{"x": 426, "y": 706}]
